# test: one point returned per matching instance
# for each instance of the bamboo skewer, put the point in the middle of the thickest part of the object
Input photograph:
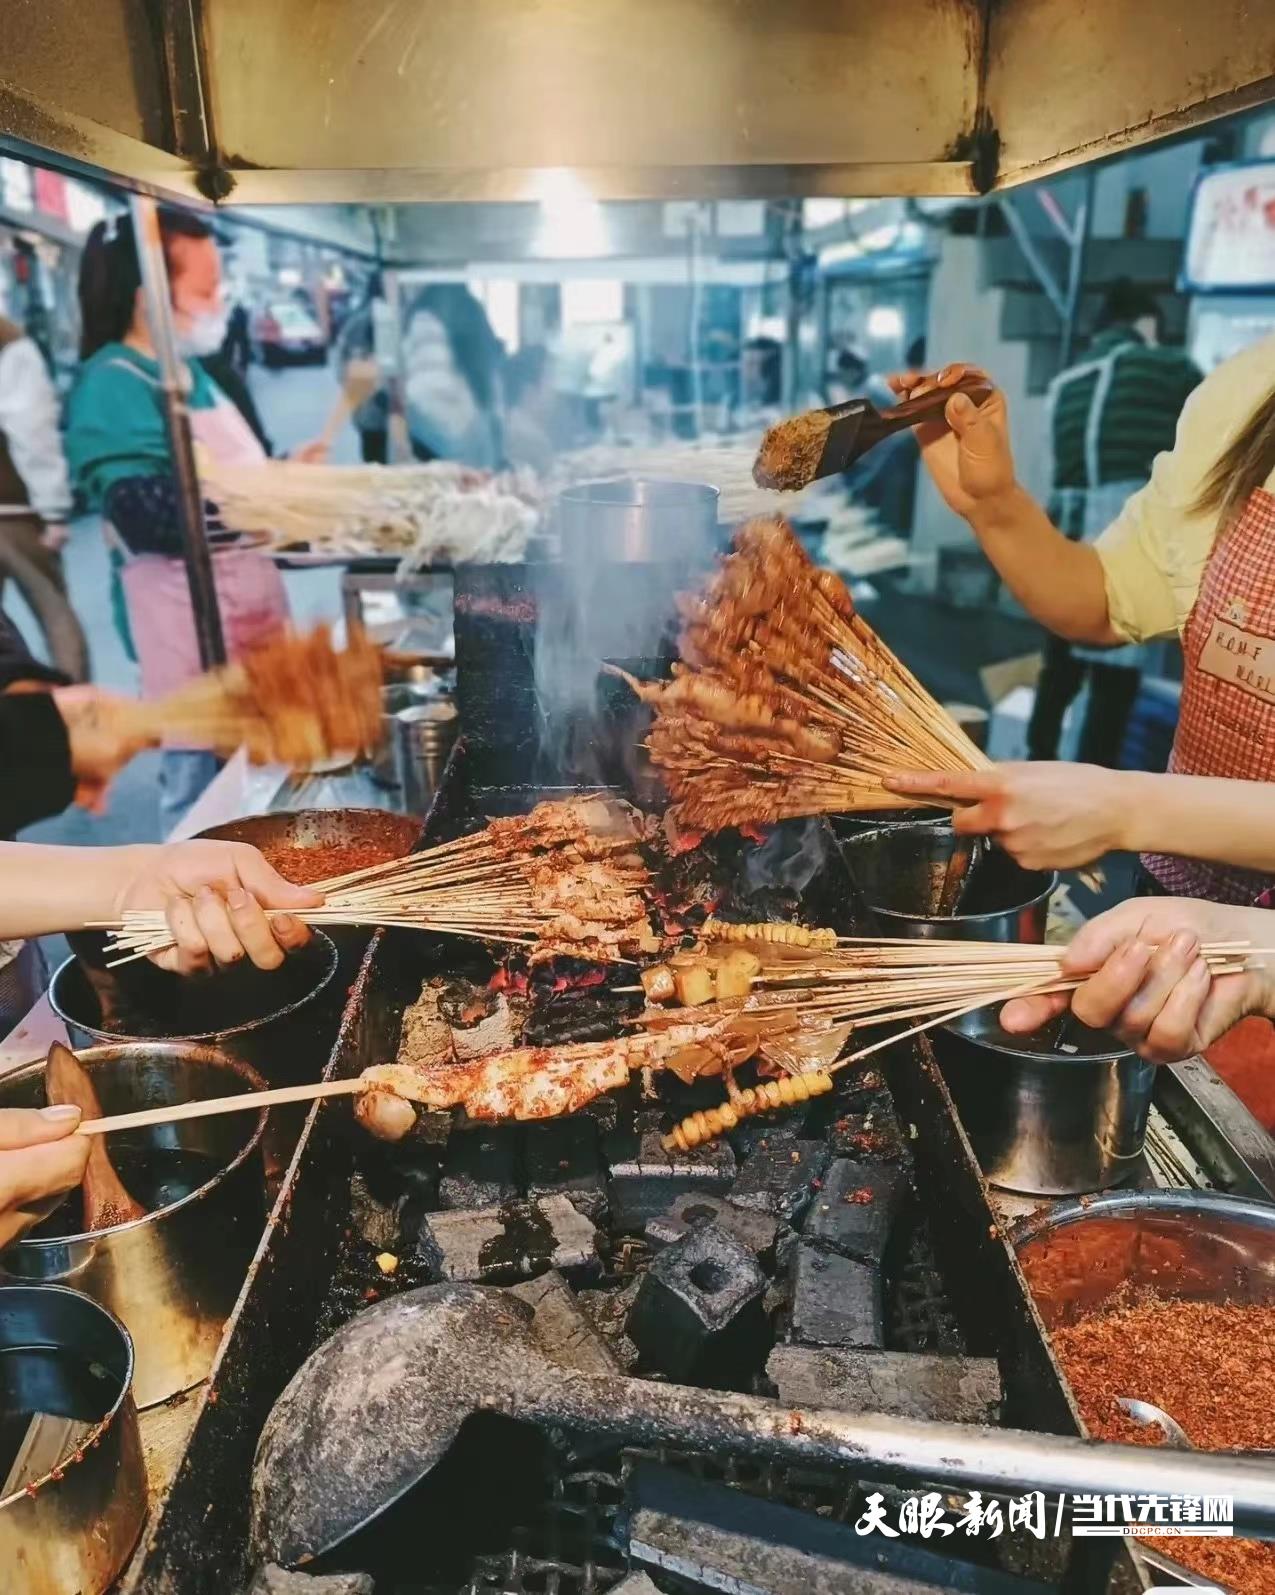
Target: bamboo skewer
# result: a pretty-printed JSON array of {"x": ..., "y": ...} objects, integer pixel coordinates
[{"x": 209, "y": 1107}]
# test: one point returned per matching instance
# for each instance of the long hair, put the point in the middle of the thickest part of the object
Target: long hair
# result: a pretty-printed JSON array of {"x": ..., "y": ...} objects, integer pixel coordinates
[
  {"x": 110, "y": 274},
  {"x": 1242, "y": 468},
  {"x": 477, "y": 351}
]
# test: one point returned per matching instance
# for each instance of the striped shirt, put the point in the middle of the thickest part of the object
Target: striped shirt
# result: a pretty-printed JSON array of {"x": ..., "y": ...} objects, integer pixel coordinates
[{"x": 1115, "y": 411}]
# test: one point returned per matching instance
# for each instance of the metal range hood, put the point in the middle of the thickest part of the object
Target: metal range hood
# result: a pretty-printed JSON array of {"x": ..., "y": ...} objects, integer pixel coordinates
[{"x": 382, "y": 101}]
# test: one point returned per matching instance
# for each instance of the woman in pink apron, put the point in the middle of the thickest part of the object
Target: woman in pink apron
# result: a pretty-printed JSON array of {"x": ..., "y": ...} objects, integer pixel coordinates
[
  {"x": 1192, "y": 553},
  {"x": 118, "y": 450}
]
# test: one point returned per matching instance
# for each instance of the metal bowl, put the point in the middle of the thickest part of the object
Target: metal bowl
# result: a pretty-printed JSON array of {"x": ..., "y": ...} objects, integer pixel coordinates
[
  {"x": 172, "y": 1277},
  {"x": 255, "y": 1015},
  {"x": 1185, "y": 1245},
  {"x": 79, "y": 1502},
  {"x": 633, "y": 522},
  {"x": 899, "y": 870},
  {"x": 1044, "y": 1120}
]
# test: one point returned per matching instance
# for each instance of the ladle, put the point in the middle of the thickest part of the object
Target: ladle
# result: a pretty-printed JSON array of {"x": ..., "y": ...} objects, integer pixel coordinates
[{"x": 376, "y": 1407}]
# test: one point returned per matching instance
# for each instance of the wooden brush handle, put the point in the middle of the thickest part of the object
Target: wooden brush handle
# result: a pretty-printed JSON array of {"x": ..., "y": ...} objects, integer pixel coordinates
[{"x": 931, "y": 405}]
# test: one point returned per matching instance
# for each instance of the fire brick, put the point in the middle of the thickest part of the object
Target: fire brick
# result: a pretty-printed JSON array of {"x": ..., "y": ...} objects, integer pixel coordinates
[
  {"x": 780, "y": 1180},
  {"x": 562, "y": 1158},
  {"x": 836, "y": 1301},
  {"x": 857, "y": 1209},
  {"x": 758, "y": 1231},
  {"x": 905, "y": 1384},
  {"x": 498, "y": 1245},
  {"x": 479, "y": 1169},
  {"x": 645, "y": 1181},
  {"x": 562, "y": 1326},
  {"x": 698, "y": 1315}
]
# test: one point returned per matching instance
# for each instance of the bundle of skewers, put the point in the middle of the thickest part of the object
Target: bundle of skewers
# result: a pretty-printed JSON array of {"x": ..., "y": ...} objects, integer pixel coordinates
[
  {"x": 785, "y": 701},
  {"x": 780, "y": 997},
  {"x": 566, "y": 878},
  {"x": 439, "y": 512},
  {"x": 292, "y": 700}
]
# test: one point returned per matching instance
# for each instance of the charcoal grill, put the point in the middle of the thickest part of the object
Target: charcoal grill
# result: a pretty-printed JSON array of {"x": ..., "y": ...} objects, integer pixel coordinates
[{"x": 952, "y": 1285}]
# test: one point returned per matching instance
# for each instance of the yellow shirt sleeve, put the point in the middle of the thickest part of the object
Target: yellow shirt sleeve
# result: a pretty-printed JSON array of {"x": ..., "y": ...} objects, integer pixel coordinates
[{"x": 1154, "y": 553}]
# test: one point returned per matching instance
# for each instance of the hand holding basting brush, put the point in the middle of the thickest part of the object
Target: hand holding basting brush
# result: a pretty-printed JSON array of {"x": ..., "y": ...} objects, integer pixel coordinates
[{"x": 821, "y": 443}]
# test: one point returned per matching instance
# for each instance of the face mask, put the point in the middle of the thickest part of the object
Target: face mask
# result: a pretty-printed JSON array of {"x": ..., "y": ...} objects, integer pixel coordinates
[{"x": 203, "y": 333}]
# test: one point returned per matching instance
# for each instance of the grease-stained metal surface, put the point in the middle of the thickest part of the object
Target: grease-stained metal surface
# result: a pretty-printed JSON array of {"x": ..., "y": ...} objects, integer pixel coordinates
[{"x": 383, "y": 101}]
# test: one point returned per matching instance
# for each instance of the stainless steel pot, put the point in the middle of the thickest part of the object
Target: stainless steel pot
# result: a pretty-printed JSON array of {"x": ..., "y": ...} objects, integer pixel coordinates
[
  {"x": 633, "y": 522},
  {"x": 1043, "y": 1120},
  {"x": 263, "y": 1017},
  {"x": 66, "y": 1410},
  {"x": 172, "y": 1276},
  {"x": 900, "y": 868},
  {"x": 401, "y": 695}
]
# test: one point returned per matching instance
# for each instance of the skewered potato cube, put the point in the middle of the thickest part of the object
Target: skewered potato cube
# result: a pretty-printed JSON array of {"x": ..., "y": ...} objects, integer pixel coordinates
[
  {"x": 658, "y": 983},
  {"x": 736, "y": 971},
  {"x": 693, "y": 982}
]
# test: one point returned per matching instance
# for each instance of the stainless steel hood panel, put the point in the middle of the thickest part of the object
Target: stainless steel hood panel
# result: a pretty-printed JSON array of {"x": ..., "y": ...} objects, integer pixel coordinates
[{"x": 377, "y": 101}]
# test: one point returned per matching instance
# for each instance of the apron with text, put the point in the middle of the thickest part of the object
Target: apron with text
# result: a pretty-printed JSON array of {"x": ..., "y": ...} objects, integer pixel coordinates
[
  {"x": 250, "y": 590},
  {"x": 1226, "y": 726}
]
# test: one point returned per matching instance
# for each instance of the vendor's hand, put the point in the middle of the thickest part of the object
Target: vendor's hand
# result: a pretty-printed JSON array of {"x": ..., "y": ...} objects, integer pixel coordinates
[
  {"x": 314, "y": 453},
  {"x": 214, "y": 894},
  {"x": 968, "y": 452},
  {"x": 40, "y": 1160},
  {"x": 55, "y": 536},
  {"x": 1045, "y": 815},
  {"x": 1147, "y": 981}
]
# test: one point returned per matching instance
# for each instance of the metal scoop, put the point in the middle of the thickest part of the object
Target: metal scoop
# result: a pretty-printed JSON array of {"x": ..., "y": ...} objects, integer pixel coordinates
[{"x": 375, "y": 1409}]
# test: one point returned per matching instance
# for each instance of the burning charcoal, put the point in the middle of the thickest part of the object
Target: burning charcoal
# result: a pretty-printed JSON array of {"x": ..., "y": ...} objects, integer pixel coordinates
[
  {"x": 780, "y": 1180},
  {"x": 905, "y": 1384},
  {"x": 498, "y": 1245},
  {"x": 478, "y": 1017},
  {"x": 857, "y": 1209},
  {"x": 278, "y": 1581},
  {"x": 698, "y": 1315},
  {"x": 874, "y": 1134},
  {"x": 770, "y": 1129},
  {"x": 835, "y": 1301},
  {"x": 563, "y": 1327},
  {"x": 376, "y": 1223},
  {"x": 757, "y": 1231},
  {"x": 561, "y": 1157},
  {"x": 644, "y": 1183},
  {"x": 608, "y": 1311},
  {"x": 478, "y": 1170}
]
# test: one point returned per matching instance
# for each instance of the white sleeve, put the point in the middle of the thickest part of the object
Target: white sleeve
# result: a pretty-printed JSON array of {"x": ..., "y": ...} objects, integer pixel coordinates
[{"x": 30, "y": 421}]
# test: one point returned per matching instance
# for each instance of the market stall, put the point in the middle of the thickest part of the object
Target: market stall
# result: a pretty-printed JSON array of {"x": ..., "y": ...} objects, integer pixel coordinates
[{"x": 737, "y": 1319}]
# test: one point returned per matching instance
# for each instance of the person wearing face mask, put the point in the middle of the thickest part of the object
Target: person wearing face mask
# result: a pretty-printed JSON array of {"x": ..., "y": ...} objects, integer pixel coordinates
[{"x": 117, "y": 447}]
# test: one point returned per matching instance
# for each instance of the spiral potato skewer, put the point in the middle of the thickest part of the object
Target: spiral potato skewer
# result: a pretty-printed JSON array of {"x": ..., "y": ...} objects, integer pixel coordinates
[{"x": 707, "y": 1125}]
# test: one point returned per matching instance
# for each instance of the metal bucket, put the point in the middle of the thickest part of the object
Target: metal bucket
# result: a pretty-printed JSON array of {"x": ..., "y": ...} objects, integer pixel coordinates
[
  {"x": 403, "y": 695},
  {"x": 424, "y": 736},
  {"x": 632, "y": 522},
  {"x": 76, "y": 1499},
  {"x": 1041, "y": 1120},
  {"x": 845, "y": 826},
  {"x": 259, "y": 1016},
  {"x": 173, "y": 1276},
  {"x": 900, "y": 869}
]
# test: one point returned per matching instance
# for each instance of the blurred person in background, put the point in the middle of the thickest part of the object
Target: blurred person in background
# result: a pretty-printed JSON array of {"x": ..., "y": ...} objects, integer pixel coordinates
[
  {"x": 356, "y": 343},
  {"x": 530, "y": 409},
  {"x": 117, "y": 445},
  {"x": 452, "y": 364},
  {"x": 35, "y": 498},
  {"x": 1110, "y": 414}
]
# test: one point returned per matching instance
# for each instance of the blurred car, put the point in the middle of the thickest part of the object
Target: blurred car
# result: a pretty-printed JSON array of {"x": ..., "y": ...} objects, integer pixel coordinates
[{"x": 284, "y": 331}]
